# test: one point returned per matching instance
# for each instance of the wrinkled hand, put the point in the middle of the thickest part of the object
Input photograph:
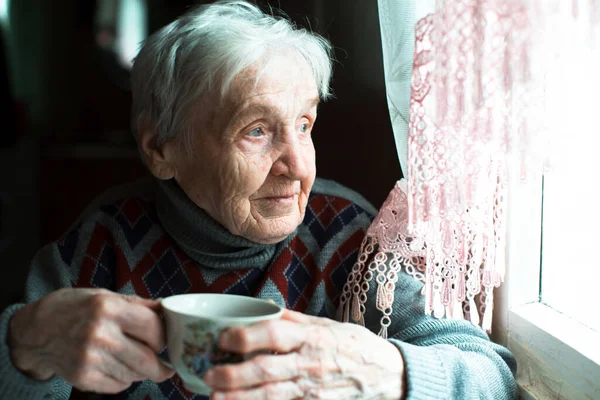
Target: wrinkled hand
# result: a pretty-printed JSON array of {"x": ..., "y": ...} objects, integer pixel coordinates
[
  {"x": 97, "y": 340},
  {"x": 317, "y": 359}
]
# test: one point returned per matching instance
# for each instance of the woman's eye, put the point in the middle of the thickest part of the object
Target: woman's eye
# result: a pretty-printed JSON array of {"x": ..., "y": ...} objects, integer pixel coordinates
[
  {"x": 256, "y": 132},
  {"x": 304, "y": 128}
]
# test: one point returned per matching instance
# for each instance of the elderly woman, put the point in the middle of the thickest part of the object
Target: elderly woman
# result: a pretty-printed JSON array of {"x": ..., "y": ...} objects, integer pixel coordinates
[{"x": 225, "y": 99}]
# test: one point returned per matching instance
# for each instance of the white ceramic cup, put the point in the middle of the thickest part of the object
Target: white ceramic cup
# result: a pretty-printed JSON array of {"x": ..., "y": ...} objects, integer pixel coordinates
[{"x": 194, "y": 323}]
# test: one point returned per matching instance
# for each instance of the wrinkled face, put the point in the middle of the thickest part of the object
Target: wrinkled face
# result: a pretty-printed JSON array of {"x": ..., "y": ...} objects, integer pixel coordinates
[{"x": 252, "y": 164}]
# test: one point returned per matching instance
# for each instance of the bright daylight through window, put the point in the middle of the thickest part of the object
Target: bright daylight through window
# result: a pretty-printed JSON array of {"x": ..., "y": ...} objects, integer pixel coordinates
[
  {"x": 122, "y": 26},
  {"x": 3, "y": 12},
  {"x": 570, "y": 237}
]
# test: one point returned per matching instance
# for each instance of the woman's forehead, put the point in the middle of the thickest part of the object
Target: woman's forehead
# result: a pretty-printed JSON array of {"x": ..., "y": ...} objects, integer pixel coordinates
[{"x": 280, "y": 79}]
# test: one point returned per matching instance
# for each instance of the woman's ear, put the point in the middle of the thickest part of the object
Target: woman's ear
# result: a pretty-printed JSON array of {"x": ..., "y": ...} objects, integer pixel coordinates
[{"x": 158, "y": 158}]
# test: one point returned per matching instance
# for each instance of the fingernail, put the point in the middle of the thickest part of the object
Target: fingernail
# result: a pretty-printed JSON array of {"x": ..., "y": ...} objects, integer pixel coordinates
[
  {"x": 217, "y": 396},
  {"x": 225, "y": 337},
  {"x": 208, "y": 377}
]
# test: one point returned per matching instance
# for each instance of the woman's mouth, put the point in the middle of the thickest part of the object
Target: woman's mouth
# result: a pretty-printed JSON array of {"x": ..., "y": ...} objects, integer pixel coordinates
[{"x": 281, "y": 199}]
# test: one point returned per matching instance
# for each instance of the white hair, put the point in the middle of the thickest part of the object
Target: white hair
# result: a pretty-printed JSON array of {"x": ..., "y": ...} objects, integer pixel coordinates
[{"x": 201, "y": 53}]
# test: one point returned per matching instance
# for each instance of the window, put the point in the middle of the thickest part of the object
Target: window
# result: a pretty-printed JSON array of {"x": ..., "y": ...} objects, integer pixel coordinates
[
  {"x": 571, "y": 223},
  {"x": 121, "y": 26},
  {"x": 4, "y": 14},
  {"x": 557, "y": 355},
  {"x": 132, "y": 29},
  {"x": 548, "y": 312},
  {"x": 571, "y": 218}
]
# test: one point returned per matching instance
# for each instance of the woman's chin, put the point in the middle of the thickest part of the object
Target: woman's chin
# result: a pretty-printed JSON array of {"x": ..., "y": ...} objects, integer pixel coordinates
[{"x": 272, "y": 230}]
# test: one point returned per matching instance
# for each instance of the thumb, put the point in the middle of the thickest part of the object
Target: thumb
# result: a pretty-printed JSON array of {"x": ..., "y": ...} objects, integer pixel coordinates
[
  {"x": 166, "y": 372},
  {"x": 153, "y": 304},
  {"x": 300, "y": 318}
]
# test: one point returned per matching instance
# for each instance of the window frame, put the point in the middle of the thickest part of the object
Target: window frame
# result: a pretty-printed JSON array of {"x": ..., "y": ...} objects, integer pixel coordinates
[{"x": 552, "y": 359}]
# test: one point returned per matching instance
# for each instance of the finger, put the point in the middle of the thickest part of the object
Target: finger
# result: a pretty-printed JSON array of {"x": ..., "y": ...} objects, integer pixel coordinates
[
  {"x": 94, "y": 366},
  {"x": 265, "y": 369},
  {"x": 140, "y": 322},
  {"x": 274, "y": 335},
  {"x": 300, "y": 318},
  {"x": 111, "y": 385},
  {"x": 142, "y": 361},
  {"x": 255, "y": 372},
  {"x": 286, "y": 390},
  {"x": 133, "y": 298},
  {"x": 118, "y": 370},
  {"x": 153, "y": 304},
  {"x": 100, "y": 382}
]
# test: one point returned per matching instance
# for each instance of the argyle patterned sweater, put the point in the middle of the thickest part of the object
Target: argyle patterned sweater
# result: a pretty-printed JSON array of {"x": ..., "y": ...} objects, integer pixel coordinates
[{"x": 149, "y": 239}]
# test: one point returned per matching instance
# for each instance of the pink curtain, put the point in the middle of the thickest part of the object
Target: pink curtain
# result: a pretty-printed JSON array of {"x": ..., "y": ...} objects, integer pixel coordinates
[{"x": 479, "y": 112}]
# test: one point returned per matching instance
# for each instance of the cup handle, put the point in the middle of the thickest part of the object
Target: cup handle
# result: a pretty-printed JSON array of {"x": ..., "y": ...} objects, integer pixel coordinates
[
  {"x": 161, "y": 356},
  {"x": 163, "y": 359}
]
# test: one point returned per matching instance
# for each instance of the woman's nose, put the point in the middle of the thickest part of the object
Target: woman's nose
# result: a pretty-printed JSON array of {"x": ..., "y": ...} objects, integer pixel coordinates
[{"x": 293, "y": 158}]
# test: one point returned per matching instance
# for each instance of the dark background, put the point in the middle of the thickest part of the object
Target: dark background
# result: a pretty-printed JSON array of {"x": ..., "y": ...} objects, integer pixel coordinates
[{"x": 64, "y": 115}]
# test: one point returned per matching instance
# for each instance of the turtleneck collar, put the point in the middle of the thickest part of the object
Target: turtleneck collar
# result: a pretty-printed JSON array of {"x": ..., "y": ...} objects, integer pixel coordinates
[{"x": 203, "y": 238}]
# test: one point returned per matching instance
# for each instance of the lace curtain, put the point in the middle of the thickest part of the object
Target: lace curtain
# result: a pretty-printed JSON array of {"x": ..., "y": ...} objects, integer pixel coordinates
[{"x": 484, "y": 76}]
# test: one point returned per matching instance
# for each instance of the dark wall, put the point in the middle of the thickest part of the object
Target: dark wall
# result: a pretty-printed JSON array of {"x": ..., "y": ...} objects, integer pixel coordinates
[{"x": 71, "y": 139}]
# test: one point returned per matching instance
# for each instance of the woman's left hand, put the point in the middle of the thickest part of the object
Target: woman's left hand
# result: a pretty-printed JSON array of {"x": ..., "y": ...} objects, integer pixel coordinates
[{"x": 317, "y": 358}]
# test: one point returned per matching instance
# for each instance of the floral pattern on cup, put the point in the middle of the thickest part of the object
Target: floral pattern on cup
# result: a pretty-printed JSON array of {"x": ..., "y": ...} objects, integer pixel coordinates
[{"x": 201, "y": 350}]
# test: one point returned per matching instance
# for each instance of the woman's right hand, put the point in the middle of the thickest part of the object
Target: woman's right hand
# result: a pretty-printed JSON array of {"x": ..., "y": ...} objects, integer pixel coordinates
[{"x": 97, "y": 340}]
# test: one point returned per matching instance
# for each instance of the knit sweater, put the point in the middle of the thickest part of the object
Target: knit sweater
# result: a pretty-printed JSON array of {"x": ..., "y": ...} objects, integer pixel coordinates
[{"x": 151, "y": 240}]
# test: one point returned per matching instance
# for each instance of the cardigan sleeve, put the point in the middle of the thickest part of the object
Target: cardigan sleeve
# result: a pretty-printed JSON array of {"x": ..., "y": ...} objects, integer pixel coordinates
[
  {"x": 66, "y": 263},
  {"x": 48, "y": 273},
  {"x": 444, "y": 359}
]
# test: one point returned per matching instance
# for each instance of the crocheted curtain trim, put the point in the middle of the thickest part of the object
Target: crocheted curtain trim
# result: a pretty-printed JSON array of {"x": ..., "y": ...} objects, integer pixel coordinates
[
  {"x": 475, "y": 107},
  {"x": 388, "y": 247}
]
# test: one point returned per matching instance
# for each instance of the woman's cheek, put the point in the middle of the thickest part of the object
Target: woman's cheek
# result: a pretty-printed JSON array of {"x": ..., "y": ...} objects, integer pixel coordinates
[
  {"x": 252, "y": 171},
  {"x": 259, "y": 167},
  {"x": 227, "y": 178}
]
